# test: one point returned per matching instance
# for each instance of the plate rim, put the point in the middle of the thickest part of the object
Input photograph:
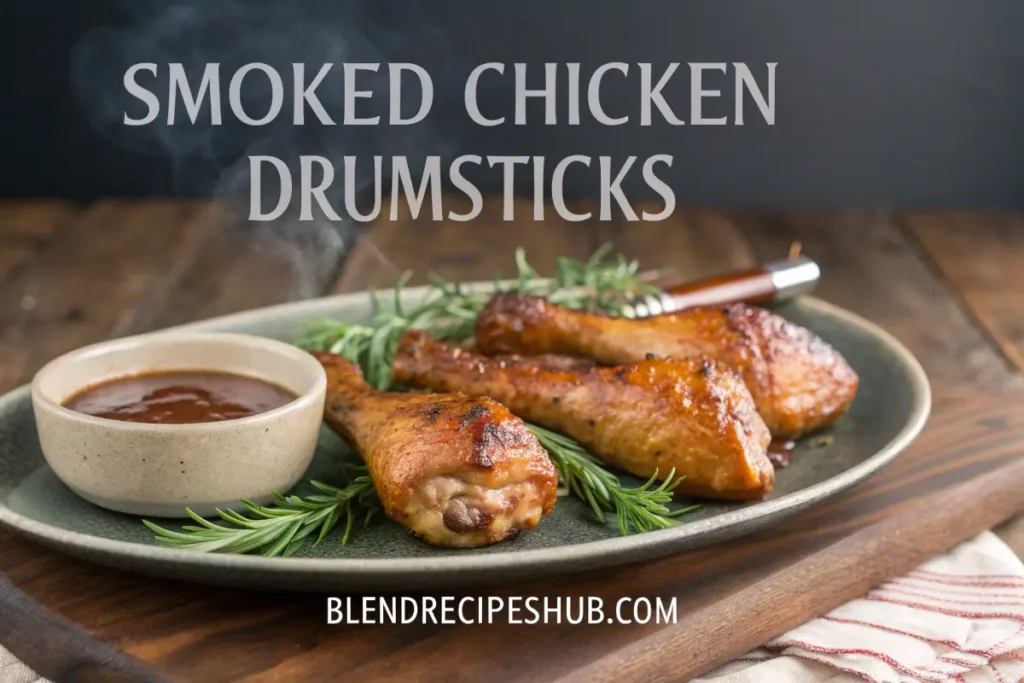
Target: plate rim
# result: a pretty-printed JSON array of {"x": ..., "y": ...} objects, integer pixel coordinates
[{"x": 633, "y": 546}]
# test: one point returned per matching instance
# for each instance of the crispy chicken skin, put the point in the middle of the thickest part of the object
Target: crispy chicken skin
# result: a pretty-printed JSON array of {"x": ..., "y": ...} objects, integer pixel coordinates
[
  {"x": 458, "y": 472},
  {"x": 799, "y": 382},
  {"x": 657, "y": 414}
]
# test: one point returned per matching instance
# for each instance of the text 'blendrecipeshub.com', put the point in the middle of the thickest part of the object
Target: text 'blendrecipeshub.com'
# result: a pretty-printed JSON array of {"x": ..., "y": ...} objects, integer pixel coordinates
[{"x": 476, "y": 610}]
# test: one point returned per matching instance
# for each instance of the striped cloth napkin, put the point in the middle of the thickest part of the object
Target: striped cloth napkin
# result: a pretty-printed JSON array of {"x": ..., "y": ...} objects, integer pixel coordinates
[{"x": 958, "y": 617}]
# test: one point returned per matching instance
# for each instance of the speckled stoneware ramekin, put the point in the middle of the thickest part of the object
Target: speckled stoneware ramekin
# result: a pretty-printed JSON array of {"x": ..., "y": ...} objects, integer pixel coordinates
[{"x": 158, "y": 470}]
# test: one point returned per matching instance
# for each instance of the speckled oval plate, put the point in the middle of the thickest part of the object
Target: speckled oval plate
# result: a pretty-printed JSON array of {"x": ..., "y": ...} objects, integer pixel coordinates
[{"x": 890, "y": 410}]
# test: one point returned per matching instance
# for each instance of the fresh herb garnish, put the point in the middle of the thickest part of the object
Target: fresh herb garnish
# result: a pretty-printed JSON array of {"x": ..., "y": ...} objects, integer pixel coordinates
[
  {"x": 282, "y": 529},
  {"x": 448, "y": 312},
  {"x": 638, "y": 510}
]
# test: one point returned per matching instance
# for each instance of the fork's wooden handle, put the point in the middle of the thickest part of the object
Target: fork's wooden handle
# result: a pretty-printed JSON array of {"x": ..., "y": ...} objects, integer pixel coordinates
[
  {"x": 773, "y": 282},
  {"x": 754, "y": 286}
]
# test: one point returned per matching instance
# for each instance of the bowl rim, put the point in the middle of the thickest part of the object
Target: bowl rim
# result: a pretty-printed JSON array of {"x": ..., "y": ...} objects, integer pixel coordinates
[
  {"x": 384, "y": 570},
  {"x": 294, "y": 355}
]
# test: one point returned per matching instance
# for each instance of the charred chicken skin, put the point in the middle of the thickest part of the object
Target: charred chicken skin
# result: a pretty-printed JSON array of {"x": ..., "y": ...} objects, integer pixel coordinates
[
  {"x": 457, "y": 471},
  {"x": 799, "y": 383},
  {"x": 654, "y": 415}
]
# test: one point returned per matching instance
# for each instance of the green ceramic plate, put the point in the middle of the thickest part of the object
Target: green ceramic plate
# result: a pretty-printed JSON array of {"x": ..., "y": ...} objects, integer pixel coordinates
[{"x": 890, "y": 410}]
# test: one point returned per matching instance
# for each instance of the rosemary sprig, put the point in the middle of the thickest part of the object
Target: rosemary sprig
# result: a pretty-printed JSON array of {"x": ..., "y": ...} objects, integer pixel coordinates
[
  {"x": 449, "y": 311},
  {"x": 283, "y": 528},
  {"x": 597, "y": 284},
  {"x": 638, "y": 510}
]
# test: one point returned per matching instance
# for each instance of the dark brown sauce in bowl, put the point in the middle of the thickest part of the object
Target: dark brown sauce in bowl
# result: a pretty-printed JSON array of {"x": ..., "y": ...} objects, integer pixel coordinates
[{"x": 179, "y": 397}]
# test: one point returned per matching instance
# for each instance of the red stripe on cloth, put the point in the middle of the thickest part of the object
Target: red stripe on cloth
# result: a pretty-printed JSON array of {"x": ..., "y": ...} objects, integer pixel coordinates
[
  {"x": 998, "y": 673},
  {"x": 972, "y": 575},
  {"x": 964, "y": 584},
  {"x": 950, "y": 657},
  {"x": 952, "y": 668},
  {"x": 844, "y": 669},
  {"x": 927, "y": 596},
  {"x": 994, "y": 650},
  {"x": 942, "y": 610},
  {"x": 956, "y": 661},
  {"x": 969, "y": 579},
  {"x": 949, "y": 671},
  {"x": 952, "y": 589},
  {"x": 968, "y": 583},
  {"x": 948, "y": 643},
  {"x": 838, "y": 652}
]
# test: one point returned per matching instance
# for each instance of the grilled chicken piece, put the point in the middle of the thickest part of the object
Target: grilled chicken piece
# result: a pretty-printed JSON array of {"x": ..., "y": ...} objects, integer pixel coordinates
[
  {"x": 458, "y": 472},
  {"x": 799, "y": 382},
  {"x": 657, "y": 414}
]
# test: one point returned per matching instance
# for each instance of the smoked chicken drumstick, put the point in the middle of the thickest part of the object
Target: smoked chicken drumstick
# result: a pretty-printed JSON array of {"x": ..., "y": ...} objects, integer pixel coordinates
[
  {"x": 799, "y": 383},
  {"x": 654, "y": 415},
  {"x": 457, "y": 471}
]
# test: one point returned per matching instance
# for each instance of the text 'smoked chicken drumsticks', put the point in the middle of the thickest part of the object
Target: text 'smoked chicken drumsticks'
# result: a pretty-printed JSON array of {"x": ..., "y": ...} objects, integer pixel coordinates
[
  {"x": 799, "y": 382},
  {"x": 654, "y": 415},
  {"x": 457, "y": 471}
]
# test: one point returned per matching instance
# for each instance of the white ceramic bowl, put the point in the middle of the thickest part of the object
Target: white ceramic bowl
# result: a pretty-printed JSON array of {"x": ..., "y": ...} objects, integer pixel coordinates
[{"x": 160, "y": 469}]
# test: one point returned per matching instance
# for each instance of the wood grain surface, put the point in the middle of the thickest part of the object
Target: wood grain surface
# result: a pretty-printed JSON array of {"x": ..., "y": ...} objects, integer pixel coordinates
[
  {"x": 713, "y": 634},
  {"x": 72, "y": 275},
  {"x": 981, "y": 267}
]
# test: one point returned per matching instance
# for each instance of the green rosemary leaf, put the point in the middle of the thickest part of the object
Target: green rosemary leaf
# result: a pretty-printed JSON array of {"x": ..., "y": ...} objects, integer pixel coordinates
[
  {"x": 279, "y": 529},
  {"x": 284, "y": 540},
  {"x": 202, "y": 522},
  {"x": 638, "y": 509},
  {"x": 326, "y": 527},
  {"x": 164, "y": 533}
]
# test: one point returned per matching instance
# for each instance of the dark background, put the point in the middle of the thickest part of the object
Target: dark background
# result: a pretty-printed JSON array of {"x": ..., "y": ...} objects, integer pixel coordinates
[{"x": 879, "y": 103}]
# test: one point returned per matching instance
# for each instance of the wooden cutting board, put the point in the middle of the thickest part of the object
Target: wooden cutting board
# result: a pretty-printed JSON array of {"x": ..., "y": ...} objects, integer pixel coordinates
[{"x": 965, "y": 474}]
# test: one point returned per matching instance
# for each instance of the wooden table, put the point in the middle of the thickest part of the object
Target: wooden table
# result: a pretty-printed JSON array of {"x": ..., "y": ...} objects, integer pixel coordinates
[{"x": 950, "y": 285}]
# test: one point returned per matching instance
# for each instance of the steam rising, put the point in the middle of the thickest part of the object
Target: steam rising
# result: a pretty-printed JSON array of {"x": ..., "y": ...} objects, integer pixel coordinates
[{"x": 212, "y": 161}]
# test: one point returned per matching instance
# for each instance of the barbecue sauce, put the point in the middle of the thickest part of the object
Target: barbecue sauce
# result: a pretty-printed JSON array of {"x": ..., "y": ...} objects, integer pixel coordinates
[{"x": 179, "y": 397}]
